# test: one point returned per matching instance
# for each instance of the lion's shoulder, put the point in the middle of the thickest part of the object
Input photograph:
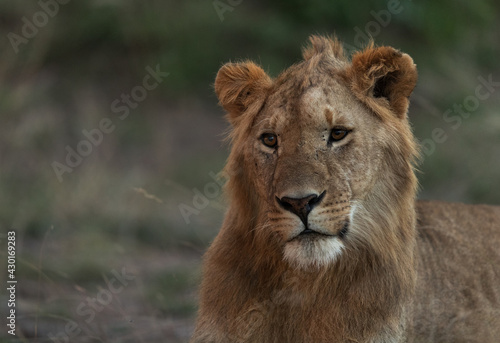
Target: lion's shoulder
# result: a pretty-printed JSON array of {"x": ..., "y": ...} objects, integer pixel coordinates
[
  {"x": 458, "y": 218},
  {"x": 461, "y": 228},
  {"x": 458, "y": 268}
]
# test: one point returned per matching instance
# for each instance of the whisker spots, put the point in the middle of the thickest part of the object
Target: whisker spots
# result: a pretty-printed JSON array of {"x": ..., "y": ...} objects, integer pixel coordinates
[
  {"x": 334, "y": 210},
  {"x": 326, "y": 220}
]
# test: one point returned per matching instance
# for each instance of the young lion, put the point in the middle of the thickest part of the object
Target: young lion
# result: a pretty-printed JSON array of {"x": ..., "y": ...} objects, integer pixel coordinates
[{"x": 324, "y": 240}]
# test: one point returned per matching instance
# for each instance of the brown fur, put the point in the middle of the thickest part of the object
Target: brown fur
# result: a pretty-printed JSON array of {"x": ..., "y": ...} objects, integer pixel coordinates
[{"x": 384, "y": 280}]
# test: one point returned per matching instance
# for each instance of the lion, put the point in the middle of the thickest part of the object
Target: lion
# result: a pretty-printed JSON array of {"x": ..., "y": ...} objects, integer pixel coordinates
[{"x": 324, "y": 240}]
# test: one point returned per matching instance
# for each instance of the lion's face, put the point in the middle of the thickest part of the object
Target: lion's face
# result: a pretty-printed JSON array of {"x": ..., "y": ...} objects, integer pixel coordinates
[
  {"x": 315, "y": 155},
  {"x": 313, "y": 150}
]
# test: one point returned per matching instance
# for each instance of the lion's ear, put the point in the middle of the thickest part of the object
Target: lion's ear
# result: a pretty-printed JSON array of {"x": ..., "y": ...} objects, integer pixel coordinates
[
  {"x": 383, "y": 78},
  {"x": 239, "y": 85}
]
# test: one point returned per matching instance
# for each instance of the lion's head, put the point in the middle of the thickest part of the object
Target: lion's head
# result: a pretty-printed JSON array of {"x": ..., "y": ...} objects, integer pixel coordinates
[{"x": 322, "y": 151}]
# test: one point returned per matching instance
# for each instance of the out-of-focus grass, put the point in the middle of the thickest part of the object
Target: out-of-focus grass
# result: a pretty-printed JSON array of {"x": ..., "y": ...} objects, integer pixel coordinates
[
  {"x": 463, "y": 167},
  {"x": 172, "y": 292}
]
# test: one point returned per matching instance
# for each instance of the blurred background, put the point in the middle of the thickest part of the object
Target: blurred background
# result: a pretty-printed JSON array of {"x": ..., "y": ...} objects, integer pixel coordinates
[{"x": 110, "y": 137}]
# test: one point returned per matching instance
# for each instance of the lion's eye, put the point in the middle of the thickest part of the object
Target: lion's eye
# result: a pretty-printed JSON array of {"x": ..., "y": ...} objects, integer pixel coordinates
[
  {"x": 269, "y": 139},
  {"x": 338, "y": 134}
]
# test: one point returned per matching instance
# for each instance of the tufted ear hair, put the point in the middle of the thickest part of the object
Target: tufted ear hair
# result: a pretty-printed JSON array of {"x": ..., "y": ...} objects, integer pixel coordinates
[
  {"x": 383, "y": 78},
  {"x": 239, "y": 86}
]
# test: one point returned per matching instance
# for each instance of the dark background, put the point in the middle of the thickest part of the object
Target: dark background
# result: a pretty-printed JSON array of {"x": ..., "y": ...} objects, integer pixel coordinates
[{"x": 118, "y": 210}]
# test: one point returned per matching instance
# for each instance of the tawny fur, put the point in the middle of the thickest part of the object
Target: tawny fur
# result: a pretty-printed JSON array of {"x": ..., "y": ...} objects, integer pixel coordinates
[{"x": 404, "y": 271}]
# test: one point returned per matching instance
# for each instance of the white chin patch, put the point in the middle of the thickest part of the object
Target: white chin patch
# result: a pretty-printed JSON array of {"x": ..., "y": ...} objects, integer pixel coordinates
[{"x": 307, "y": 253}]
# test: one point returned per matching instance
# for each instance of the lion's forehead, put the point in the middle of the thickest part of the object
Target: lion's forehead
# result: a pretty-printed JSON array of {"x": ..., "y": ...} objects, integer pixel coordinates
[{"x": 320, "y": 105}]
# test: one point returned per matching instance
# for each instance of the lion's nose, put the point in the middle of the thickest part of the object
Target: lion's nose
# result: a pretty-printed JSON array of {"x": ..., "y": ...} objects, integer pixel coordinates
[{"x": 301, "y": 206}]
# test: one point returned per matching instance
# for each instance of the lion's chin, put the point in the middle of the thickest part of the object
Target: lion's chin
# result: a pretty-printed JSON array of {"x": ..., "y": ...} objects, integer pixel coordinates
[{"x": 313, "y": 252}]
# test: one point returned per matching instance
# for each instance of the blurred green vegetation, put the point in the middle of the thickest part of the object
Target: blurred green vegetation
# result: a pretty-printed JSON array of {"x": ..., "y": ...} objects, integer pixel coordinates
[{"x": 120, "y": 206}]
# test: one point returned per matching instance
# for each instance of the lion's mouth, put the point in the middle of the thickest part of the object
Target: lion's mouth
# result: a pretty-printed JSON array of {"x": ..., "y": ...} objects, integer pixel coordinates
[
  {"x": 342, "y": 233},
  {"x": 308, "y": 232},
  {"x": 312, "y": 234}
]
